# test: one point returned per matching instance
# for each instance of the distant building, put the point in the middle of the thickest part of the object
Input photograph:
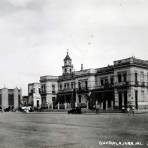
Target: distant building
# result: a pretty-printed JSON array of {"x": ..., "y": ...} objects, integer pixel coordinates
[
  {"x": 113, "y": 87},
  {"x": 24, "y": 101},
  {"x": 10, "y": 98},
  {"x": 34, "y": 97},
  {"x": 49, "y": 90}
]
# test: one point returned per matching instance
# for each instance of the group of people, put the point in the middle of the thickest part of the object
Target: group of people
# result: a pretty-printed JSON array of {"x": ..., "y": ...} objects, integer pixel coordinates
[{"x": 130, "y": 109}]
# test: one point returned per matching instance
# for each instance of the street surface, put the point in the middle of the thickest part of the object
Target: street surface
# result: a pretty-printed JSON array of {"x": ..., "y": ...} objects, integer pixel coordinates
[{"x": 61, "y": 130}]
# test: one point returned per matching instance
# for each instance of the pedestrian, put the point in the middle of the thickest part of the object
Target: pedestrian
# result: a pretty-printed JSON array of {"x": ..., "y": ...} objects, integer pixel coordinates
[
  {"x": 123, "y": 109},
  {"x": 128, "y": 110},
  {"x": 133, "y": 110}
]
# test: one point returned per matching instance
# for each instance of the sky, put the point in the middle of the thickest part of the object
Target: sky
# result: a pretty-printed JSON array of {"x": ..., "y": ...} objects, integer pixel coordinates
[{"x": 35, "y": 36}]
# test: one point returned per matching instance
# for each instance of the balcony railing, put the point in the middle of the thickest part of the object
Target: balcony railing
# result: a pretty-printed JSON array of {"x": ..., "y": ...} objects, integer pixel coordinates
[
  {"x": 66, "y": 90},
  {"x": 82, "y": 90},
  {"x": 119, "y": 84},
  {"x": 104, "y": 86}
]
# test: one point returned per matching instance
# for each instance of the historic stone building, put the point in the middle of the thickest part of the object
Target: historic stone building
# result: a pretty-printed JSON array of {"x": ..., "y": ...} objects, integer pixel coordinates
[
  {"x": 10, "y": 98},
  {"x": 112, "y": 87},
  {"x": 49, "y": 90},
  {"x": 34, "y": 97}
]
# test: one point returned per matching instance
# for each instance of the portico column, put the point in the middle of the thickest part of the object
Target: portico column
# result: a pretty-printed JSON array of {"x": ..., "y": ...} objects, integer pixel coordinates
[
  {"x": 65, "y": 104},
  {"x": 122, "y": 99},
  {"x": 101, "y": 105},
  {"x": 106, "y": 104},
  {"x": 96, "y": 104},
  {"x": 116, "y": 99},
  {"x": 58, "y": 105},
  {"x": 87, "y": 105},
  {"x": 52, "y": 105},
  {"x": 112, "y": 104},
  {"x": 77, "y": 101}
]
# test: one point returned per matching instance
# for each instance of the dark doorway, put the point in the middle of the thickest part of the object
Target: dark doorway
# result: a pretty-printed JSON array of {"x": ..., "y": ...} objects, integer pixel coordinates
[
  {"x": 109, "y": 103},
  {"x": 125, "y": 99},
  {"x": 38, "y": 103},
  {"x": 104, "y": 104},
  {"x": 79, "y": 98},
  {"x": 44, "y": 102},
  {"x": 136, "y": 99},
  {"x": 120, "y": 100}
]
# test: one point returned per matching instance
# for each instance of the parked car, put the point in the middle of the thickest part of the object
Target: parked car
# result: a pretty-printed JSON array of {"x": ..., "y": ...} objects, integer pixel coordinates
[
  {"x": 26, "y": 109},
  {"x": 76, "y": 110}
]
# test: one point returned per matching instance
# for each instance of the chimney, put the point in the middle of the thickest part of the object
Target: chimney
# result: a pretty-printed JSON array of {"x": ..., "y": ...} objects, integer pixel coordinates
[{"x": 81, "y": 66}]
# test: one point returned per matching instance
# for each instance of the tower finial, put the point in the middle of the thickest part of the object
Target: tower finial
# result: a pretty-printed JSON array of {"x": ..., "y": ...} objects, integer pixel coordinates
[{"x": 67, "y": 51}]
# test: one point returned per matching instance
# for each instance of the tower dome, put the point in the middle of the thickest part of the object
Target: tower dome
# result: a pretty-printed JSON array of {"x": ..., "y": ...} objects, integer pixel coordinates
[{"x": 67, "y": 57}]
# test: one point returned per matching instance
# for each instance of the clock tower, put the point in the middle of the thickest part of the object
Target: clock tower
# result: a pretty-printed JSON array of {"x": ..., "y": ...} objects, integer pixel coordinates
[{"x": 68, "y": 67}]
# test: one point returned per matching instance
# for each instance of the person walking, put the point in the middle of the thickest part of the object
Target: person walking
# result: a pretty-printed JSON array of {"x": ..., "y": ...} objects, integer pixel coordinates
[
  {"x": 132, "y": 110},
  {"x": 128, "y": 110}
]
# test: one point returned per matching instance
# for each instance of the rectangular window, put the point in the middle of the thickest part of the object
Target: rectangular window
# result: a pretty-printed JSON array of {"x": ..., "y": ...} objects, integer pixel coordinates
[
  {"x": 43, "y": 87},
  {"x": 106, "y": 81},
  {"x": 142, "y": 76},
  {"x": 102, "y": 82},
  {"x": 72, "y": 85},
  {"x": 53, "y": 89},
  {"x": 60, "y": 86},
  {"x": 79, "y": 85},
  {"x": 142, "y": 95},
  {"x": 119, "y": 77},
  {"x": 112, "y": 80},
  {"x": 86, "y": 85},
  {"x": 136, "y": 78},
  {"x": 68, "y": 85},
  {"x": 32, "y": 91},
  {"x": 124, "y": 76}
]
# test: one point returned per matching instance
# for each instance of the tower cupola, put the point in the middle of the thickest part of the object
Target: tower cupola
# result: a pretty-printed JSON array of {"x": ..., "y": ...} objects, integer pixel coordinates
[{"x": 68, "y": 67}]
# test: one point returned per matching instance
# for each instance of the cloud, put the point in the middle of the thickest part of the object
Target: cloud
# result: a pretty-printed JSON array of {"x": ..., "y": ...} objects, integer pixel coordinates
[
  {"x": 35, "y": 34},
  {"x": 21, "y": 3}
]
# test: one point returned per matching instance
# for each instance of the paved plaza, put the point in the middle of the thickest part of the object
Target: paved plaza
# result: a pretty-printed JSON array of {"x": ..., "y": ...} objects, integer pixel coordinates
[{"x": 61, "y": 130}]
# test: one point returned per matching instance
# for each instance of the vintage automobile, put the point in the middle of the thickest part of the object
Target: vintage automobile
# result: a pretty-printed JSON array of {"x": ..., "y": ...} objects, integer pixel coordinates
[
  {"x": 76, "y": 110},
  {"x": 26, "y": 109}
]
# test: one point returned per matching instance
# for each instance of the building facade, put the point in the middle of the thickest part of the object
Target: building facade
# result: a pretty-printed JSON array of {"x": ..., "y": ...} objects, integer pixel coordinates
[
  {"x": 113, "y": 87},
  {"x": 10, "y": 98},
  {"x": 49, "y": 90},
  {"x": 34, "y": 97}
]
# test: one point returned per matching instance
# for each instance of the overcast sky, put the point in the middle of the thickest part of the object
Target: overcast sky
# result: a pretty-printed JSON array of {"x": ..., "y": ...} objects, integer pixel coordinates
[{"x": 34, "y": 36}]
